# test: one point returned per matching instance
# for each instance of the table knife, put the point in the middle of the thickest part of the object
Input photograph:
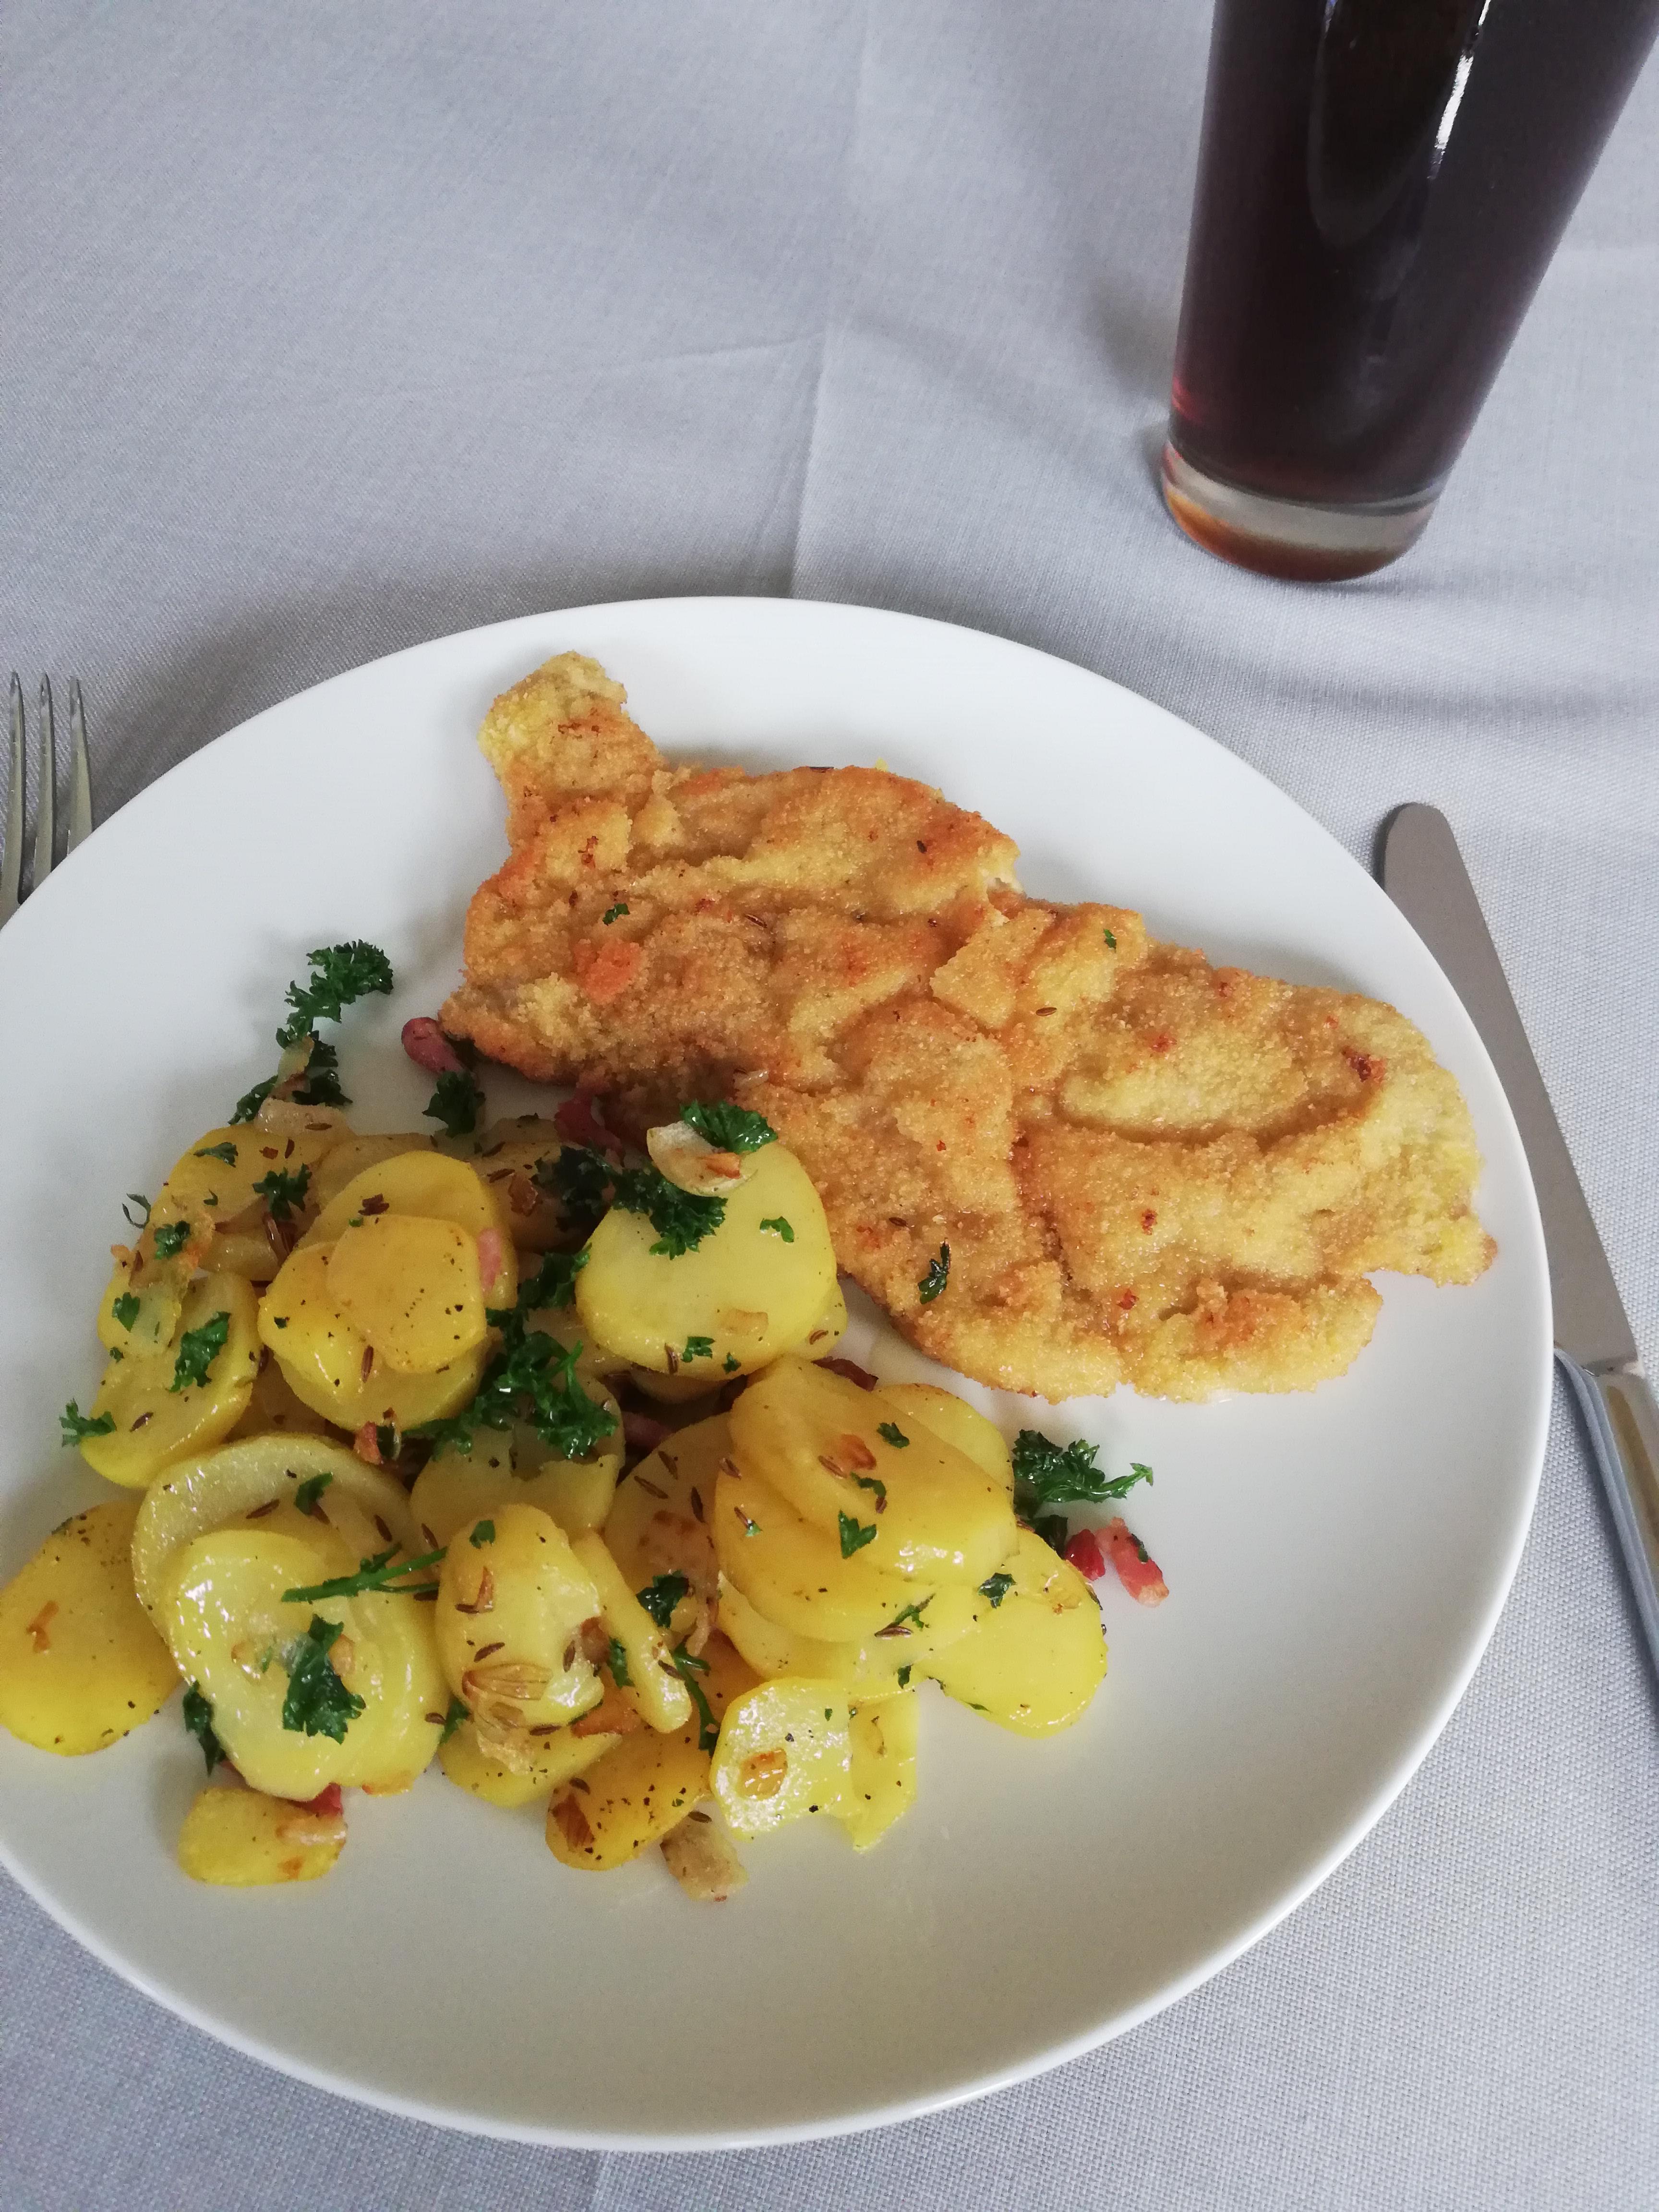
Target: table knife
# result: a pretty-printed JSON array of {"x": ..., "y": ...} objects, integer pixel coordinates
[{"x": 1423, "y": 872}]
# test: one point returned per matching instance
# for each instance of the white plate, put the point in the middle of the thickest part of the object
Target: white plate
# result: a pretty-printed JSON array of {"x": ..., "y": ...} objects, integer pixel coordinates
[{"x": 1336, "y": 1561}]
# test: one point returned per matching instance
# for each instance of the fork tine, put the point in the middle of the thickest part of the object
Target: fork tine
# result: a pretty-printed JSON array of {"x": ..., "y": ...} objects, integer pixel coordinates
[
  {"x": 11, "y": 851},
  {"x": 46, "y": 790},
  {"x": 80, "y": 805}
]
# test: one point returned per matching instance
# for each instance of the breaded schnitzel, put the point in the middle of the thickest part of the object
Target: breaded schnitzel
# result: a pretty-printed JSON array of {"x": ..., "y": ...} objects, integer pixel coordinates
[{"x": 1146, "y": 1169}]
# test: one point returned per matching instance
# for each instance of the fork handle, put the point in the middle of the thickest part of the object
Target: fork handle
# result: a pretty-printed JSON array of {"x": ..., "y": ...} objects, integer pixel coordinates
[{"x": 1621, "y": 1421}]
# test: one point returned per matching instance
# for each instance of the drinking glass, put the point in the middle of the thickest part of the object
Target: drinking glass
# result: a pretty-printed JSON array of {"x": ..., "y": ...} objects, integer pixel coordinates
[{"x": 1381, "y": 186}]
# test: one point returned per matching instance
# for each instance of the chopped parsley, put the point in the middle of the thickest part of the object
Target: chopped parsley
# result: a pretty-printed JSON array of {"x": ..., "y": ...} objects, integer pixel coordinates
[
  {"x": 171, "y": 1239},
  {"x": 1048, "y": 1475},
  {"x": 579, "y": 1179},
  {"x": 873, "y": 1482},
  {"x": 375, "y": 1574},
  {"x": 900, "y": 1625},
  {"x": 532, "y": 1377},
  {"x": 1109, "y": 939},
  {"x": 996, "y": 1587},
  {"x": 452, "y": 1719},
  {"x": 125, "y": 1308},
  {"x": 387, "y": 1442},
  {"x": 319, "y": 1085},
  {"x": 698, "y": 1348},
  {"x": 251, "y": 1100},
  {"x": 618, "y": 1661},
  {"x": 136, "y": 1198},
  {"x": 340, "y": 975},
  {"x": 661, "y": 1595},
  {"x": 483, "y": 1534},
  {"x": 318, "y": 1702},
  {"x": 853, "y": 1534},
  {"x": 680, "y": 1218},
  {"x": 281, "y": 1191},
  {"x": 227, "y": 1153},
  {"x": 688, "y": 1669},
  {"x": 730, "y": 1128},
  {"x": 554, "y": 1283},
  {"x": 732, "y": 1363},
  {"x": 310, "y": 1490},
  {"x": 197, "y": 1349},
  {"x": 78, "y": 1427},
  {"x": 937, "y": 1275},
  {"x": 891, "y": 1433},
  {"x": 613, "y": 913},
  {"x": 779, "y": 1227},
  {"x": 904, "y": 1678},
  {"x": 199, "y": 1720},
  {"x": 457, "y": 1101}
]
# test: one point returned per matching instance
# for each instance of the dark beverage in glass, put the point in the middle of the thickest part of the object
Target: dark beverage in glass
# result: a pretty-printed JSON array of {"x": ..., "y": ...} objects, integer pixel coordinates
[{"x": 1381, "y": 186}]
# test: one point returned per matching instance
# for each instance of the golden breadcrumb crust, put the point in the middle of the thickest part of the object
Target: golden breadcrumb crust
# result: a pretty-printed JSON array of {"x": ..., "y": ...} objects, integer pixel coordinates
[{"x": 1148, "y": 1169}]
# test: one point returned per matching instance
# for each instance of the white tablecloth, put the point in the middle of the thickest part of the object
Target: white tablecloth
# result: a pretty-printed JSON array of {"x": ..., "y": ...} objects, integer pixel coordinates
[{"x": 324, "y": 330}]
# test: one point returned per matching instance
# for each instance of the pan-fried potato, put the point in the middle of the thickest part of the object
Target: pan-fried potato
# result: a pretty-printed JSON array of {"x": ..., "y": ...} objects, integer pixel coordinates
[
  {"x": 353, "y": 1155},
  {"x": 881, "y": 1783},
  {"x": 242, "y": 1840},
  {"x": 331, "y": 1366},
  {"x": 506, "y": 1154},
  {"x": 745, "y": 1292},
  {"x": 659, "y": 1523},
  {"x": 785, "y": 1751},
  {"x": 273, "y": 1409},
  {"x": 513, "y": 1600},
  {"x": 550, "y": 1759},
  {"x": 236, "y": 1637},
  {"x": 412, "y": 1286},
  {"x": 80, "y": 1664},
  {"x": 647, "y": 1786},
  {"x": 139, "y": 1317},
  {"x": 869, "y": 1669},
  {"x": 366, "y": 1508},
  {"x": 957, "y": 1423},
  {"x": 914, "y": 1503},
  {"x": 157, "y": 1419},
  {"x": 509, "y": 1466},
  {"x": 1035, "y": 1660},
  {"x": 428, "y": 1186},
  {"x": 795, "y": 1574},
  {"x": 220, "y": 1172},
  {"x": 651, "y": 1684}
]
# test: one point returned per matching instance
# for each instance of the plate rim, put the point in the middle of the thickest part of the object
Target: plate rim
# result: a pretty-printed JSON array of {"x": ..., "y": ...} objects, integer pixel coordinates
[{"x": 1381, "y": 1797}]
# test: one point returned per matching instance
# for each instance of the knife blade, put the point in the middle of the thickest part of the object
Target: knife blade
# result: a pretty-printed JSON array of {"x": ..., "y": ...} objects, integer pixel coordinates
[{"x": 1423, "y": 872}]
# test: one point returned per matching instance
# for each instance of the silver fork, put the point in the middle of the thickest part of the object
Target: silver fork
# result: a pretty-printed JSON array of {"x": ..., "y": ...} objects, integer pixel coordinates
[{"x": 45, "y": 795}]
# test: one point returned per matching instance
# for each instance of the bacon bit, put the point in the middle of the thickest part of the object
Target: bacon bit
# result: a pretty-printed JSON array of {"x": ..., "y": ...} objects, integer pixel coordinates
[
  {"x": 1083, "y": 1552},
  {"x": 855, "y": 1450},
  {"x": 429, "y": 1048},
  {"x": 366, "y": 1444},
  {"x": 267, "y": 1152},
  {"x": 643, "y": 1432},
  {"x": 612, "y": 1716},
  {"x": 39, "y": 1627},
  {"x": 1137, "y": 1570},
  {"x": 484, "y": 1598},
  {"x": 1126, "y": 1300},
  {"x": 851, "y": 1370},
  {"x": 491, "y": 1257},
  {"x": 522, "y": 1195},
  {"x": 762, "y": 1774},
  {"x": 578, "y": 1123},
  {"x": 375, "y": 1205},
  {"x": 1149, "y": 1220},
  {"x": 367, "y": 1366},
  {"x": 325, "y": 1800},
  {"x": 571, "y": 1821}
]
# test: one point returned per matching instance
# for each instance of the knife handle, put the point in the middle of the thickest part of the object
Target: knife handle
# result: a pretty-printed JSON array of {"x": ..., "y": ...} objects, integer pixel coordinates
[{"x": 1622, "y": 1422}]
